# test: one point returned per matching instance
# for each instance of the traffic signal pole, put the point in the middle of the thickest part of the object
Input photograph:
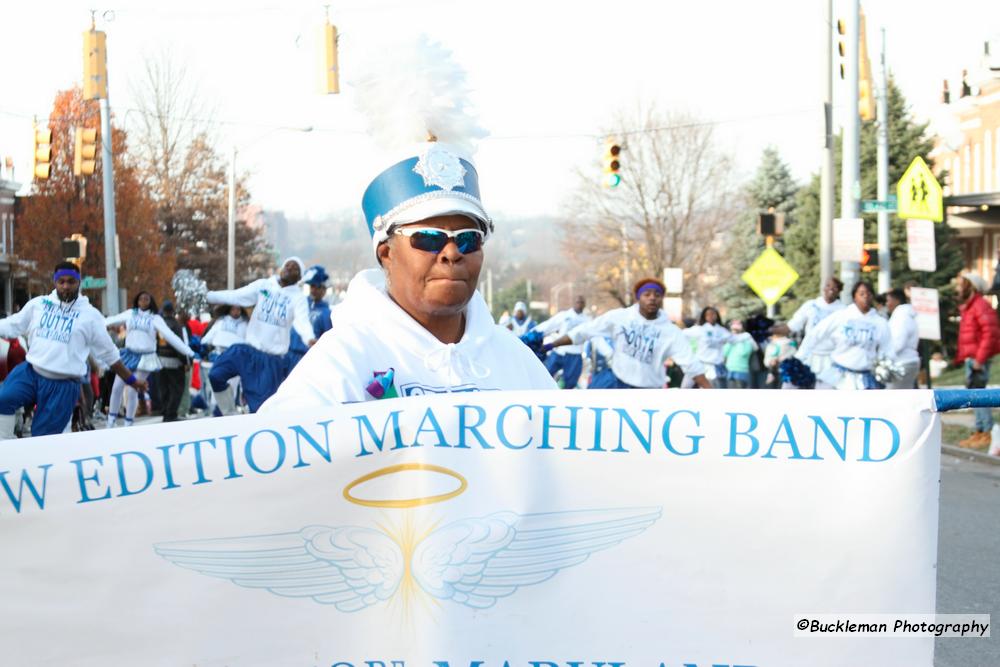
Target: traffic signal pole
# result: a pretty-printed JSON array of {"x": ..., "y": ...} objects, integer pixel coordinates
[
  {"x": 850, "y": 168},
  {"x": 882, "y": 156},
  {"x": 110, "y": 232},
  {"x": 826, "y": 171}
]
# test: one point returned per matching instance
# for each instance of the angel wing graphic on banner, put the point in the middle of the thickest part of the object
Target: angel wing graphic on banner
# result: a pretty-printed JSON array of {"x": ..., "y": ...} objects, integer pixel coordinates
[{"x": 473, "y": 561}]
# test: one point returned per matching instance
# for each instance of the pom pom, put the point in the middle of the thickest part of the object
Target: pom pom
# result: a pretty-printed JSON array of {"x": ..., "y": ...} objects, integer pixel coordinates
[
  {"x": 533, "y": 339},
  {"x": 415, "y": 92},
  {"x": 887, "y": 370},
  {"x": 189, "y": 292},
  {"x": 797, "y": 373},
  {"x": 759, "y": 328}
]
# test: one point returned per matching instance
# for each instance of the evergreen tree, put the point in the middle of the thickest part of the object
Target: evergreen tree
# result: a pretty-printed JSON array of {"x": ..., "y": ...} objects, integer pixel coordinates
[
  {"x": 772, "y": 187},
  {"x": 907, "y": 140}
]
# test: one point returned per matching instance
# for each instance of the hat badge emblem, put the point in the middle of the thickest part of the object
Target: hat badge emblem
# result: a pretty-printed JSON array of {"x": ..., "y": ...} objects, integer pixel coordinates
[{"x": 440, "y": 168}]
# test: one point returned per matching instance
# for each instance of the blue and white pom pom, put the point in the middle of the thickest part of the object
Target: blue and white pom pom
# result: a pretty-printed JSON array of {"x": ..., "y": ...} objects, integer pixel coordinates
[{"x": 797, "y": 373}]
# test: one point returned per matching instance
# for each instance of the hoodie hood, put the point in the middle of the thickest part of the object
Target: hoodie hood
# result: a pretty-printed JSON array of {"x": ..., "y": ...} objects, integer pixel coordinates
[{"x": 368, "y": 301}]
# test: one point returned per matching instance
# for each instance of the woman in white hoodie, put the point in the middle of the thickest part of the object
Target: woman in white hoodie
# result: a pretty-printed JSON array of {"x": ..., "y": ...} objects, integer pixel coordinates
[
  {"x": 142, "y": 325},
  {"x": 905, "y": 338},
  {"x": 858, "y": 336},
  {"x": 416, "y": 325}
]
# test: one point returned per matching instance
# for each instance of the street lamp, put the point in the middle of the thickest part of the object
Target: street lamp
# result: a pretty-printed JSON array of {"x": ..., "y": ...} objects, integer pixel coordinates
[{"x": 231, "y": 235}]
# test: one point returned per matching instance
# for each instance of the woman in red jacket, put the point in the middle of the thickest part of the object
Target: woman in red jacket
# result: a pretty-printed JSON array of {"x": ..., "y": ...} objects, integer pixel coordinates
[{"x": 978, "y": 341}]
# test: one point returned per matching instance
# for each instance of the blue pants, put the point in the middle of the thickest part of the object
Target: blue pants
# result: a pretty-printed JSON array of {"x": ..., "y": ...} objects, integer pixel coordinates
[
  {"x": 55, "y": 399},
  {"x": 571, "y": 365},
  {"x": 260, "y": 373},
  {"x": 984, "y": 416},
  {"x": 292, "y": 359},
  {"x": 608, "y": 380}
]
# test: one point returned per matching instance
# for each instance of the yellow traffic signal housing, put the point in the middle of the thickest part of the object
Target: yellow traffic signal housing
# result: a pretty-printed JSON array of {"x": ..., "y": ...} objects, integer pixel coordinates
[
  {"x": 866, "y": 87},
  {"x": 612, "y": 163},
  {"x": 841, "y": 46},
  {"x": 43, "y": 153},
  {"x": 95, "y": 65},
  {"x": 331, "y": 69},
  {"x": 85, "y": 151}
]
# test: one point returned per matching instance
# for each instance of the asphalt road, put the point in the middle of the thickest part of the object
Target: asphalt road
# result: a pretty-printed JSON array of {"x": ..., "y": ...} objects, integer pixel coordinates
[{"x": 969, "y": 558}]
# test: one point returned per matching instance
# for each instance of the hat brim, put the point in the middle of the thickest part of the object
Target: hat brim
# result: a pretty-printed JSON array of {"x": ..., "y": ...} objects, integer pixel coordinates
[{"x": 438, "y": 207}]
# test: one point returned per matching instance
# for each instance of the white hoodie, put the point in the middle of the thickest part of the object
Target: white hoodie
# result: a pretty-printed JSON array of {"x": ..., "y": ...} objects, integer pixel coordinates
[
  {"x": 905, "y": 334},
  {"x": 561, "y": 324},
  {"x": 372, "y": 334},
  {"x": 810, "y": 314},
  {"x": 61, "y": 336},
  {"x": 641, "y": 346},
  {"x": 857, "y": 339},
  {"x": 712, "y": 339},
  {"x": 276, "y": 310},
  {"x": 141, "y": 327},
  {"x": 226, "y": 332}
]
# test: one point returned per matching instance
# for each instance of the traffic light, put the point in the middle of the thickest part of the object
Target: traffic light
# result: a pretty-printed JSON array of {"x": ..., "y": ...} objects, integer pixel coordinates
[
  {"x": 868, "y": 252},
  {"x": 866, "y": 87},
  {"x": 842, "y": 46},
  {"x": 74, "y": 249},
  {"x": 85, "y": 151},
  {"x": 612, "y": 163},
  {"x": 331, "y": 69},
  {"x": 43, "y": 153},
  {"x": 770, "y": 223},
  {"x": 95, "y": 65}
]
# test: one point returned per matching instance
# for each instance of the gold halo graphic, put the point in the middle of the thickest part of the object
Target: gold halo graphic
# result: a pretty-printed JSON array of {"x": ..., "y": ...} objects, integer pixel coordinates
[{"x": 406, "y": 502}]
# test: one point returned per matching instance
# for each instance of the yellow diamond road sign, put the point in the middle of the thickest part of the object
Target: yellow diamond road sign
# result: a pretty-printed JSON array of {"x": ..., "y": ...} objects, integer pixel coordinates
[
  {"x": 919, "y": 194},
  {"x": 770, "y": 276}
]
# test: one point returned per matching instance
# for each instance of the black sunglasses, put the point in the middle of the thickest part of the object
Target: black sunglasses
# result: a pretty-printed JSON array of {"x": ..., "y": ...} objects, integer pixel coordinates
[{"x": 432, "y": 239}]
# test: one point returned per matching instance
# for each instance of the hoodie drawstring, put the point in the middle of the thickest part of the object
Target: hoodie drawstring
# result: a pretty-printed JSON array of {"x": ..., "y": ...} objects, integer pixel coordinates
[{"x": 456, "y": 361}]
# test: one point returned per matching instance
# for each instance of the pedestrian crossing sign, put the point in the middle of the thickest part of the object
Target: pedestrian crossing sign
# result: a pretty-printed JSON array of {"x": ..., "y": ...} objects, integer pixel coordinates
[
  {"x": 919, "y": 194},
  {"x": 770, "y": 276}
]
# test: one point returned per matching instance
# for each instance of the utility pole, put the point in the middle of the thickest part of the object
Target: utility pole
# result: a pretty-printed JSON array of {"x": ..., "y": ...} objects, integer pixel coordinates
[
  {"x": 627, "y": 288},
  {"x": 884, "y": 268},
  {"x": 95, "y": 86},
  {"x": 850, "y": 168},
  {"x": 827, "y": 165},
  {"x": 231, "y": 232}
]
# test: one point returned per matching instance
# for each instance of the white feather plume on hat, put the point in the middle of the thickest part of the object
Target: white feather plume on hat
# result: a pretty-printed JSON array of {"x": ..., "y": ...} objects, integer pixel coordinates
[{"x": 413, "y": 92}]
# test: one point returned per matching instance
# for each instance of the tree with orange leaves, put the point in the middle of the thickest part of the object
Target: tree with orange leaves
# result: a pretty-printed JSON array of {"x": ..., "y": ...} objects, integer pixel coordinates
[{"x": 66, "y": 204}]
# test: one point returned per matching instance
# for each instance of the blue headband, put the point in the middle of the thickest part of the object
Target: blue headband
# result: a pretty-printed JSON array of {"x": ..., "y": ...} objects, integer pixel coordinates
[
  {"x": 645, "y": 286},
  {"x": 65, "y": 272}
]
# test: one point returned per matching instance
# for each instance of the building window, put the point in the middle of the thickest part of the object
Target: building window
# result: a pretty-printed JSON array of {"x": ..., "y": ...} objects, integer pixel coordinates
[
  {"x": 977, "y": 174},
  {"x": 956, "y": 177},
  {"x": 966, "y": 170}
]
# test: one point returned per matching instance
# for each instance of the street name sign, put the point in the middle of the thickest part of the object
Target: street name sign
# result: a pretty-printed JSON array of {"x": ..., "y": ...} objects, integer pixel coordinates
[
  {"x": 770, "y": 276},
  {"x": 919, "y": 193},
  {"x": 90, "y": 282},
  {"x": 875, "y": 205}
]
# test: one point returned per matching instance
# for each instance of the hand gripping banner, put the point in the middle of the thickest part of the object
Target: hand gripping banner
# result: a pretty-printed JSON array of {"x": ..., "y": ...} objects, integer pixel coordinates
[{"x": 525, "y": 529}]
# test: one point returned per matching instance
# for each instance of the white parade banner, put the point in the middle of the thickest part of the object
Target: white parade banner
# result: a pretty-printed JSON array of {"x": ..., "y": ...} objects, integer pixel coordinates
[
  {"x": 521, "y": 529},
  {"x": 921, "y": 253},
  {"x": 928, "y": 310},
  {"x": 848, "y": 239}
]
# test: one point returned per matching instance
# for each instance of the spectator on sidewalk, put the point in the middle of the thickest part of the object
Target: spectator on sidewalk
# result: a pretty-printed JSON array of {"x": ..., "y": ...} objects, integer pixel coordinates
[{"x": 978, "y": 342}]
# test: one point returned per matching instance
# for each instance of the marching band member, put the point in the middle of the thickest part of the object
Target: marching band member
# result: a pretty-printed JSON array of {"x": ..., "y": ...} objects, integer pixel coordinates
[
  {"x": 643, "y": 338},
  {"x": 278, "y": 305},
  {"x": 142, "y": 324},
  {"x": 62, "y": 329},
  {"x": 416, "y": 324},
  {"x": 857, "y": 336}
]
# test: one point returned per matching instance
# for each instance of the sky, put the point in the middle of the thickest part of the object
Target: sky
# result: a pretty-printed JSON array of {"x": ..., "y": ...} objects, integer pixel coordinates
[{"x": 548, "y": 78}]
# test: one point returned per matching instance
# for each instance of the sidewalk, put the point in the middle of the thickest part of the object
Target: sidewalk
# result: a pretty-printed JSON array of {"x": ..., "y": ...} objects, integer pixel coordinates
[{"x": 958, "y": 425}]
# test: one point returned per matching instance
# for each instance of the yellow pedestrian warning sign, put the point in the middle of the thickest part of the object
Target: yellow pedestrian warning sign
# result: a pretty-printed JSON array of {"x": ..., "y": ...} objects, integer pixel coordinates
[
  {"x": 770, "y": 276},
  {"x": 919, "y": 194}
]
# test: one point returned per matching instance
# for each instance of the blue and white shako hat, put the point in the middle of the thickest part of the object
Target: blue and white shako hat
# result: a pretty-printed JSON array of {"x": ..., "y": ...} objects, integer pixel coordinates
[
  {"x": 315, "y": 275},
  {"x": 415, "y": 99},
  {"x": 438, "y": 180}
]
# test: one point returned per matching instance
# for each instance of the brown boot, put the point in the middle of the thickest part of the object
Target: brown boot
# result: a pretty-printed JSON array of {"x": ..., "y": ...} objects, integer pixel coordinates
[{"x": 970, "y": 441}]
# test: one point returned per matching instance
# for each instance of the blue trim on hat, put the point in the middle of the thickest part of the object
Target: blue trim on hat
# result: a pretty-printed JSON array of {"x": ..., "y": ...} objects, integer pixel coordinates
[{"x": 400, "y": 183}]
